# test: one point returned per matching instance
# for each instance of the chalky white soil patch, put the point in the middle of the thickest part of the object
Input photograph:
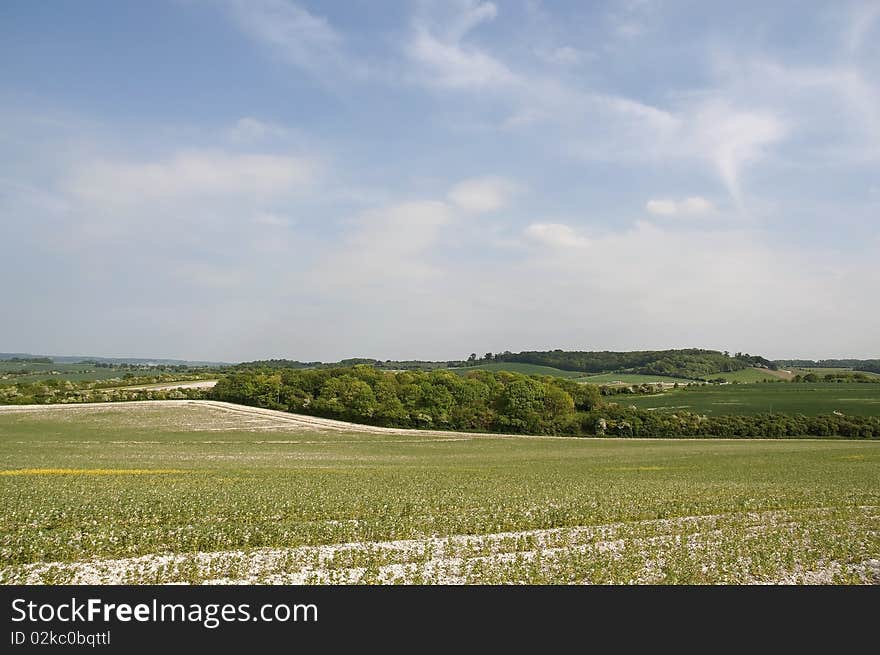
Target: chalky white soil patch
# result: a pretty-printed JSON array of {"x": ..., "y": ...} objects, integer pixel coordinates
[
  {"x": 642, "y": 549},
  {"x": 168, "y": 386},
  {"x": 214, "y": 415}
]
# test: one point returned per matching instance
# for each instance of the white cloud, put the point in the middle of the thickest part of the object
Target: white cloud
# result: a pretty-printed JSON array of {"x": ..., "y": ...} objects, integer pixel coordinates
[
  {"x": 385, "y": 248},
  {"x": 443, "y": 60},
  {"x": 732, "y": 138},
  {"x": 630, "y": 29},
  {"x": 563, "y": 55},
  {"x": 719, "y": 125},
  {"x": 189, "y": 174},
  {"x": 630, "y": 19},
  {"x": 402, "y": 229},
  {"x": 210, "y": 276},
  {"x": 470, "y": 14},
  {"x": 836, "y": 106},
  {"x": 252, "y": 130},
  {"x": 482, "y": 194},
  {"x": 271, "y": 219},
  {"x": 725, "y": 130},
  {"x": 696, "y": 205},
  {"x": 556, "y": 235},
  {"x": 693, "y": 206},
  {"x": 863, "y": 18},
  {"x": 450, "y": 64},
  {"x": 662, "y": 207},
  {"x": 302, "y": 39},
  {"x": 732, "y": 289}
]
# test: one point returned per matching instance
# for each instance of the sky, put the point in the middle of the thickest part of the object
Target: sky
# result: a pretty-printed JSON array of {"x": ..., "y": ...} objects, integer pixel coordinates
[{"x": 241, "y": 179}]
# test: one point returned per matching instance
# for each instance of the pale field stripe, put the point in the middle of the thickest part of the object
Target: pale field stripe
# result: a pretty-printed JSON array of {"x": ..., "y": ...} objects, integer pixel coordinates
[
  {"x": 71, "y": 471},
  {"x": 314, "y": 423},
  {"x": 442, "y": 555},
  {"x": 281, "y": 419},
  {"x": 168, "y": 386}
]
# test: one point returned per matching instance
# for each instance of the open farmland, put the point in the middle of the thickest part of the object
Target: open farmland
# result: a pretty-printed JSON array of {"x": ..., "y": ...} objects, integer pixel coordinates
[
  {"x": 755, "y": 375},
  {"x": 210, "y": 492},
  {"x": 810, "y": 399},
  {"x": 11, "y": 372},
  {"x": 631, "y": 378}
]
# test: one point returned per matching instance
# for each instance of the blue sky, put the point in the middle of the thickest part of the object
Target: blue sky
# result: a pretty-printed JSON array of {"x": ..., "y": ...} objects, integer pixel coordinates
[{"x": 267, "y": 178}]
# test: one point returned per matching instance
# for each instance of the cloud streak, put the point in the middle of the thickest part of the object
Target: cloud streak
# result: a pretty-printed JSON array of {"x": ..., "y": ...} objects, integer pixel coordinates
[
  {"x": 188, "y": 174},
  {"x": 298, "y": 37},
  {"x": 483, "y": 194},
  {"x": 455, "y": 177},
  {"x": 692, "y": 206}
]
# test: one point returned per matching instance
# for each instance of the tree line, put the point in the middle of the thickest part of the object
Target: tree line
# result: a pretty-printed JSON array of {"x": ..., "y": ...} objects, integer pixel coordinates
[
  {"x": 479, "y": 401},
  {"x": 848, "y": 376},
  {"x": 693, "y": 363},
  {"x": 868, "y": 365},
  {"x": 30, "y": 360},
  {"x": 502, "y": 401},
  {"x": 86, "y": 391}
]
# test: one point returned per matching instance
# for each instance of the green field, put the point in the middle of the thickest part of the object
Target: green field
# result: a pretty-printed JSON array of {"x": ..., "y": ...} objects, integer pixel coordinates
[
  {"x": 631, "y": 378},
  {"x": 810, "y": 399},
  {"x": 753, "y": 375},
  {"x": 189, "y": 493},
  {"x": 10, "y": 372}
]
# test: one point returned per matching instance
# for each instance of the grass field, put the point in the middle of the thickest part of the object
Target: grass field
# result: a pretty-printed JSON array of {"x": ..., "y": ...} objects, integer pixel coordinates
[
  {"x": 754, "y": 375},
  {"x": 194, "y": 492},
  {"x": 9, "y": 372},
  {"x": 631, "y": 378},
  {"x": 810, "y": 399}
]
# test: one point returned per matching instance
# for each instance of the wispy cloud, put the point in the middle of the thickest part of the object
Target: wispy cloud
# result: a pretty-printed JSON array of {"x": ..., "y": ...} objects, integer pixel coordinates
[
  {"x": 864, "y": 18},
  {"x": 483, "y": 194},
  {"x": 692, "y": 206},
  {"x": 299, "y": 37},
  {"x": 731, "y": 139},
  {"x": 564, "y": 55},
  {"x": 188, "y": 174},
  {"x": 662, "y": 164},
  {"x": 249, "y": 130},
  {"x": 379, "y": 244},
  {"x": 597, "y": 124},
  {"x": 557, "y": 235},
  {"x": 443, "y": 59}
]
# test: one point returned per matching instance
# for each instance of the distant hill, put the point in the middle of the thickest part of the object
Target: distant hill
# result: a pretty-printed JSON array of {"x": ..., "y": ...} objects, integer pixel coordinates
[
  {"x": 868, "y": 365},
  {"x": 5, "y": 357},
  {"x": 677, "y": 365},
  {"x": 75, "y": 359},
  {"x": 388, "y": 364},
  {"x": 691, "y": 363}
]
